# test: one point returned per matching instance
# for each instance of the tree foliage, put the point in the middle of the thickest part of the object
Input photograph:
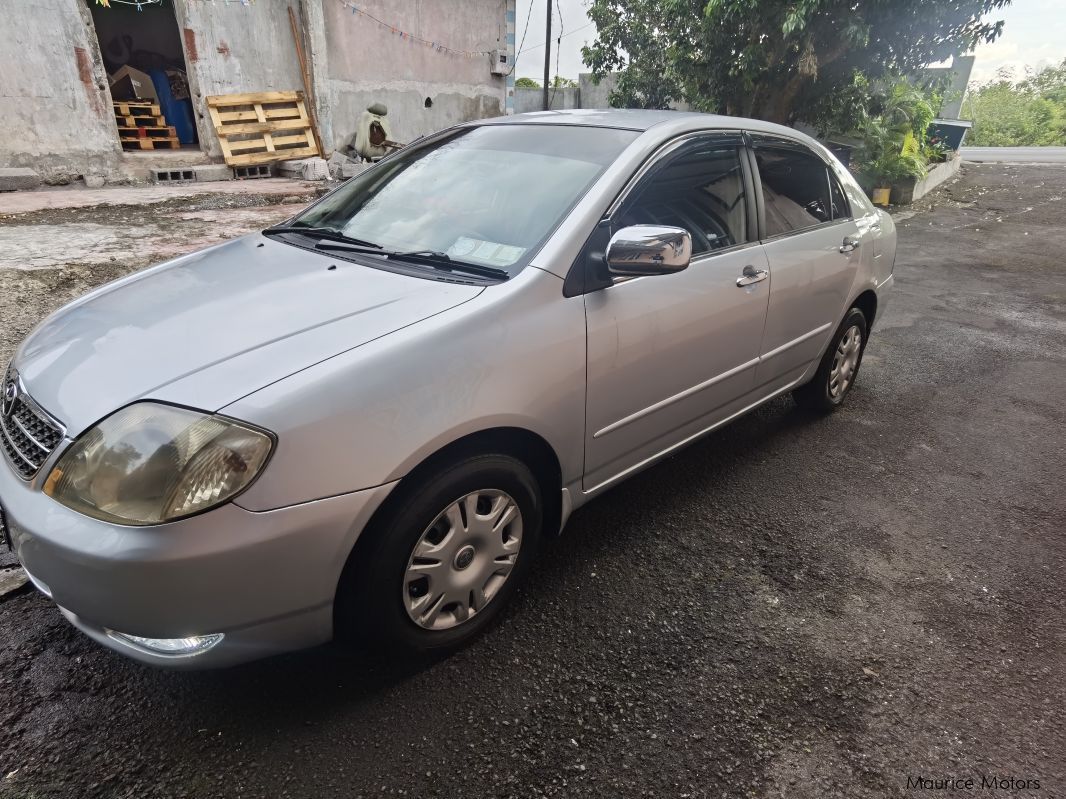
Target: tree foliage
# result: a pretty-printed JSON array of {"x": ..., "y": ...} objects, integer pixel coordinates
[
  {"x": 1031, "y": 112},
  {"x": 558, "y": 82},
  {"x": 780, "y": 60}
]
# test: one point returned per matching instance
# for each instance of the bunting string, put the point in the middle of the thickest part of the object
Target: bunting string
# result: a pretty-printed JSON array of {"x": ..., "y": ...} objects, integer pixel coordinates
[
  {"x": 140, "y": 3},
  {"x": 412, "y": 38}
]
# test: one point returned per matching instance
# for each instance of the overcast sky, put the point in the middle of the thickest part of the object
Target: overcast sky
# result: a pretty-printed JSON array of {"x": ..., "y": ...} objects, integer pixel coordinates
[{"x": 1034, "y": 35}]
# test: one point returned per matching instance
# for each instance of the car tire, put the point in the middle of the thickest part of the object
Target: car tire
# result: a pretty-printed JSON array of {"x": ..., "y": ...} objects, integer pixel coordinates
[
  {"x": 838, "y": 368},
  {"x": 421, "y": 545}
]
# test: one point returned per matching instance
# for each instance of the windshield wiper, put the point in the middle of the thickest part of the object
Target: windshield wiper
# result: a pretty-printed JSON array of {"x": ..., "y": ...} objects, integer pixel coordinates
[
  {"x": 433, "y": 258},
  {"x": 327, "y": 233}
]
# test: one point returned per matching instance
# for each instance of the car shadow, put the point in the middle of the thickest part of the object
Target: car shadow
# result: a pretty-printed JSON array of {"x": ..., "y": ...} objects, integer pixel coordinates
[{"x": 317, "y": 682}]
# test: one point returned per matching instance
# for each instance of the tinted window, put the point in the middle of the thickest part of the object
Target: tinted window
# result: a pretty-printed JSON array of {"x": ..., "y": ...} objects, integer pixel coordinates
[
  {"x": 700, "y": 189},
  {"x": 795, "y": 188},
  {"x": 486, "y": 195}
]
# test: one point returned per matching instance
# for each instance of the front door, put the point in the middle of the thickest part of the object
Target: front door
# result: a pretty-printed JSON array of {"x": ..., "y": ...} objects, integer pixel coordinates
[{"x": 669, "y": 355}]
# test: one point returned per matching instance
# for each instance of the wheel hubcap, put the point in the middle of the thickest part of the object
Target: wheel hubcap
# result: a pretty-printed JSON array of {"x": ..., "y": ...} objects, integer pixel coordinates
[
  {"x": 845, "y": 362},
  {"x": 462, "y": 560}
]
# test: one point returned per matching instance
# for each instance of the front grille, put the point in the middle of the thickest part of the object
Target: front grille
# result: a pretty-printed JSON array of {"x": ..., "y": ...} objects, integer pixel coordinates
[{"x": 27, "y": 436}]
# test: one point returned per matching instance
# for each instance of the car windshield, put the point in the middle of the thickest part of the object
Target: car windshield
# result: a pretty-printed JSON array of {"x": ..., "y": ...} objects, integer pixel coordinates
[{"x": 486, "y": 195}]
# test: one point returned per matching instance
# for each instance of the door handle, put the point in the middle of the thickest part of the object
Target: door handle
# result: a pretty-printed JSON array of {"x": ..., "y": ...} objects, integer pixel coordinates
[
  {"x": 751, "y": 275},
  {"x": 849, "y": 244}
]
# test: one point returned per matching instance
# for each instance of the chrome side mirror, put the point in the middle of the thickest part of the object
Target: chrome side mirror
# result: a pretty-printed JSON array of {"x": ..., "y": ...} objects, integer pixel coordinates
[{"x": 649, "y": 250}]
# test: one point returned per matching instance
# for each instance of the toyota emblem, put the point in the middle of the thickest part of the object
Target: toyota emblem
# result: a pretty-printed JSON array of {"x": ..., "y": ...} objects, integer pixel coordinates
[{"x": 11, "y": 392}]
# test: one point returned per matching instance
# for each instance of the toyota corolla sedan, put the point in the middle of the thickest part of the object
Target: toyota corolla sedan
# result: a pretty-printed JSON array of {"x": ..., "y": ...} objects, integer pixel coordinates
[{"x": 360, "y": 424}]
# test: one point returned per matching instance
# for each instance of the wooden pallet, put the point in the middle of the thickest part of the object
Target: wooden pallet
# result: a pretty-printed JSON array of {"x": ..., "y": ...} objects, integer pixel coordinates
[
  {"x": 262, "y": 127},
  {"x": 149, "y": 144},
  {"x": 127, "y": 108},
  {"x": 149, "y": 137},
  {"x": 140, "y": 121}
]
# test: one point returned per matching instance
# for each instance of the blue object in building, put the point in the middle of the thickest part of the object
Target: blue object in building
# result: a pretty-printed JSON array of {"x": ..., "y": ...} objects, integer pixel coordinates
[
  {"x": 177, "y": 112},
  {"x": 951, "y": 131}
]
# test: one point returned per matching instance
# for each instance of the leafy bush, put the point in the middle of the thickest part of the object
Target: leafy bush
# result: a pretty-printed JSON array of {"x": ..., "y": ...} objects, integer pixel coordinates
[
  {"x": 893, "y": 138},
  {"x": 937, "y": 151}
]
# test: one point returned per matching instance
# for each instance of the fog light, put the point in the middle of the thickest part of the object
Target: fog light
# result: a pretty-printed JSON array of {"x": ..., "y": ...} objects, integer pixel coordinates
[{"x": 169, "y": 647}]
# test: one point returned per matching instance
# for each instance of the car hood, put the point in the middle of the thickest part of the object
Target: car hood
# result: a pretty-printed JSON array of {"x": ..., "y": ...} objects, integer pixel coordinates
[{"x": 211, "y": 327}]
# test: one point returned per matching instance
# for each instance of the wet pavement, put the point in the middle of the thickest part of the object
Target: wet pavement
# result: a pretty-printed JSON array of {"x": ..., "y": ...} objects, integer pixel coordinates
[{"x": 793, "y": 607}]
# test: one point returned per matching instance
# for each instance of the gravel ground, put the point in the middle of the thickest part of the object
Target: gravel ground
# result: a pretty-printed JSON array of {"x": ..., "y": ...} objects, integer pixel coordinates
[{"x": 794, "y": 607}]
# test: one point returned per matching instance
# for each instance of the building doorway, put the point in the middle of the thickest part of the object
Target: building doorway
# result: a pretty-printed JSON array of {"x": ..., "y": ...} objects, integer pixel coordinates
[{"x": 141, "y": 48}]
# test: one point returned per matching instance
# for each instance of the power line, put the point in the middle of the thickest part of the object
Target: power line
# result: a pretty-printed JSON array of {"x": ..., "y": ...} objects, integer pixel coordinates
[
  {"x": 538, "y": 46},
  {"x": 525, "y": 30}
]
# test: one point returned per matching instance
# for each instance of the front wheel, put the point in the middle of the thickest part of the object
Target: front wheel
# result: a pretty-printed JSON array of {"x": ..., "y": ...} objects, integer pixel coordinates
[
  {"x": 839, "y": 366},
  {"x": 441, "y": 567}
]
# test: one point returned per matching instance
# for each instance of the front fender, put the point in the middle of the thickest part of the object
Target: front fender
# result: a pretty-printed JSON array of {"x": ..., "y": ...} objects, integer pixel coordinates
[{"x": 512, "y": 357}]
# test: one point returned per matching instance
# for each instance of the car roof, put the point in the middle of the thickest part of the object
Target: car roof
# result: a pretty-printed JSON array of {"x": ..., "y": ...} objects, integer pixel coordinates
[{"x": 635, "y": 119}]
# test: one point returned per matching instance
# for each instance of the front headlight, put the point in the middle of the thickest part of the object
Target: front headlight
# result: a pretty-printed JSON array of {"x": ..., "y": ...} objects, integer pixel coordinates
[{"x": 151, "y": 463}]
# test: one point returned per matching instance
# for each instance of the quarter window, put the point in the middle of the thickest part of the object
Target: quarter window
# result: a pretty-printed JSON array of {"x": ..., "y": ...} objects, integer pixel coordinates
[
  {"x": 700, "y": 189},
  {"x": 836, "y": 194},
  {"x": 796, "y": 190}
]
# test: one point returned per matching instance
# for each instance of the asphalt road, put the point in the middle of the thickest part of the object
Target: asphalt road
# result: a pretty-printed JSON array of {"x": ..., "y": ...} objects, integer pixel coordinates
[
  {"x": 794, "y": 607},
  {"x": 1015, "y": 155}
]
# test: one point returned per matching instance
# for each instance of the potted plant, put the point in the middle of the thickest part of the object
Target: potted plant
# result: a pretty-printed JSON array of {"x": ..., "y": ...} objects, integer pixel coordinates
[
  {"x": 891, "y": 149},
  {"x": 893, "y": 169}
]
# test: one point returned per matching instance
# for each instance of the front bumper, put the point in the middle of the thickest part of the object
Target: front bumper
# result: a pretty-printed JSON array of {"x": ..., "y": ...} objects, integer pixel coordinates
[{"x": 266, "y": 580}]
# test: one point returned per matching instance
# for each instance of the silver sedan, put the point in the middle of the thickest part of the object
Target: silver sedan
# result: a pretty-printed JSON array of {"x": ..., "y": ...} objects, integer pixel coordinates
[{"x": 361, "y": 423}]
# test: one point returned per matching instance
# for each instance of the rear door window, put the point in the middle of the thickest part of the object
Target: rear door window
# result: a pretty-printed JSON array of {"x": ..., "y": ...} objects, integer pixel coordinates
[{"x": 796, "y": 188}]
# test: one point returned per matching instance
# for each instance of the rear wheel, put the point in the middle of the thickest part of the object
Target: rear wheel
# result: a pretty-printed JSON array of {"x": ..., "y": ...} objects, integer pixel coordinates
[
  {"x": 439, "y": 568},
  {"x": 839, "y": 366}
]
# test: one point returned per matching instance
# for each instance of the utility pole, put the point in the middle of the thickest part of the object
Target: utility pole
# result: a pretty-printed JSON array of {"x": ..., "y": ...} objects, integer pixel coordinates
[{"x": 547, "y": 52}]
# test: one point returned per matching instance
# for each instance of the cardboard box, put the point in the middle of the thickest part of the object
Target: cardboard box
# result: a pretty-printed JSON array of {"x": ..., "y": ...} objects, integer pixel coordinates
[{"x": 131, "y": 84}]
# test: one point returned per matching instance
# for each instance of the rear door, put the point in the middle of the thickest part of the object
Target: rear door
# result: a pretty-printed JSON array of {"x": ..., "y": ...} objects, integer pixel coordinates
[
  {"x": 813, "y": 246},
  {"x": 668, "y": 355}
]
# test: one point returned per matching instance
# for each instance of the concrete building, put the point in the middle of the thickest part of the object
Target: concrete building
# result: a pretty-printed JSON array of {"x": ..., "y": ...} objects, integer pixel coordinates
[{"x": 433, "y": 63}]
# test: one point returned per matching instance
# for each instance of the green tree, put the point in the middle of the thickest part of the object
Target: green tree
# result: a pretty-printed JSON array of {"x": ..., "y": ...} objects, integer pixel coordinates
[
  {"x": 526, "y": 83},
  {"x": 1031, "y": 112},
  {"x": 559, "y": 82},
  {"x": 780, "y": 60}
]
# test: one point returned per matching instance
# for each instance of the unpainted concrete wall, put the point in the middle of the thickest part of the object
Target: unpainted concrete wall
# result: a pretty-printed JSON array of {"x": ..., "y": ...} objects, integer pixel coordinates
[
  {"x": 961, "y": 67},
  {"x": 559, "y": 99},
  {"x": 368, "y": 64},
  {"x": 587, "y": 94},
  {"x": 596, "y": 95},
  {"x": 231, "y": 48},
  {"x": 55, "y": 110}
]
